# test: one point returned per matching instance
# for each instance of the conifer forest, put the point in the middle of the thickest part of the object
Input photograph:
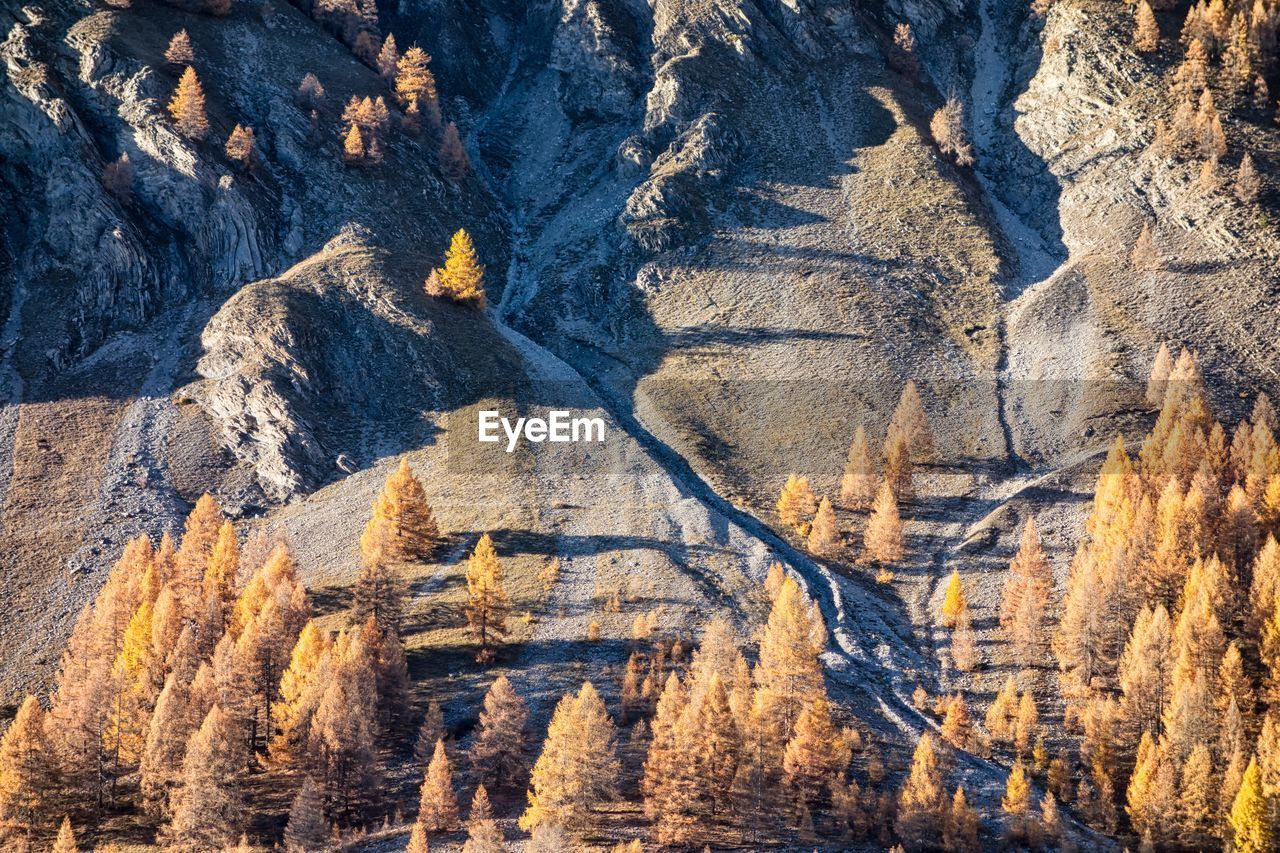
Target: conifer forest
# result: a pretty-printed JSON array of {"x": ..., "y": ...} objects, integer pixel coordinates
[{"x": 639, "y": 425}]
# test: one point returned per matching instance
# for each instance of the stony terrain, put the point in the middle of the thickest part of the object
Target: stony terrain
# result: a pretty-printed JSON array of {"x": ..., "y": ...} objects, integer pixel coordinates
[{"x": 720, "y": 224}]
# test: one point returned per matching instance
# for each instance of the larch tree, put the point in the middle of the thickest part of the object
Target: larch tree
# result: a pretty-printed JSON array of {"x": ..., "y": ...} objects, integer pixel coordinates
[
  {"x": 1146, "y": 32},
  {"x": 414, "y": 533},
  {"x": 797, "y": 504},
  {"x": 1145, "y": 256},
  {"x": 955, "y": 604},
  {"x": 882, "y": 540},
  {"x": 66, "y": 839},
  {"x": 179, "y": 52},
  {"x": 28, "y": 775},
  {"x": 310, "y": 91},
  {"x": 950, "y": 134},
  {"x": 307, "y": 829},
  {"x": 1016, "y": 803},
  {"x": 964, "y": 645},
  {"x": 1158, "y": 380},
  {"x": 301, "y": 688},
  {"x": 816, "y": 755},
  {"x": 418, "y": 840},
  {"x": 578, "y": 768},
  {"x": 1248, "y": 184},
  {"x": 1250, "y": 824},
  {"x": 497, "y": 750},
  {"x": 858, "y": 483},
  {"x": 910, "y": 422},
  {"x": 960, "y": 832},
  {"x": 454, "y": 162},
  {"x": 240, "y": 145},
  {"x": 1025, "y": 724},
  {"x": 207, "y": 806},
  {"x": 1146, "y": 673},
  {"x": 824, "y": 534},
  {"x": 431, "y": 730},
  {"x": 788, "y": 674},
  {"x": 487, "y": 603},
  {"x": 957, "y": 725},
  {"x": 438, "y": 801},
  {"x": 416, "y": 86},
  {"x": 1026, "y": 595},
  {"x": 388, "y": 58},
  {"x": 461, "y": 279},
  {"x": 187, "y": 106},
  {"x": 353, "y": 150},
  {"x": 342, "y": 731},
  {"x": 922, "y": 802},
  {"x": 483, "y": 833},
  {"x": 899, "y": 471}
]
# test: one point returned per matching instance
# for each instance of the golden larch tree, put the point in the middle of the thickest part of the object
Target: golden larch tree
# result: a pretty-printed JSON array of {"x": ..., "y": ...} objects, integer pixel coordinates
[
  {"x": 353, "y": 150},
  {"x": 910, "y": 422},
  {"x": 461, "y": 279},
  {"x": 66, "y": 840},
  {"x": 922, "y": 802},
  {"x": 307, "y": 828},
  {"x": 483, "y": 833},
  {"x": 957, "y": 725},
  {"x": 1026, "y": 595},
  {"x": 240, "y": 145},
  {"x": 1158, "y": 380},
  {"x": 788, "y": 675},
  {"x": 858, "y": 483},
  {"x": 416, "y": 86},
  {"x": 797, "y": 503},
  {"x": 438, "y": 802},
  {"x": 187, "y": 106},
  {"x": 954, "y": 602},
  {"x": 824, "y": 535},
  {"x": 1249, "y": 822},
  {"x": 487, "y": 602},
  {"x": 179, "y": 51},
  {"x": 207, "y": 807},
  {"x": 388, "y": 58},
  {"x": 816, "y": 755},
  {"x": 403, "y": 503},
  {"x": 1146, "y": 32},
  {"x": 882, "y": 540},
  {"x": 28, "y": 775},
  {"x": 454, "y": 162},
  {"x": 578, "y": 768},
  {"x": 960, "y": 832},
  {"x": 497, "y": 750}
]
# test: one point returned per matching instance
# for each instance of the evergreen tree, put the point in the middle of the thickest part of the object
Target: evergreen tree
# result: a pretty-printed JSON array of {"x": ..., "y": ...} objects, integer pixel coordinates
[
  {"x": 487, "y": 602},
  {"x": 882, "y": 539},
  {"x": 578, "y": 768},
  {"x": 306, "y": 829},
  {"x": 858, "y": 484},
  {"x": 497, "y": 750},
  {"x": 462, "y": 276},
  {"x": 187, "y": 106},
  {"x": 438, "y": 803}
]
